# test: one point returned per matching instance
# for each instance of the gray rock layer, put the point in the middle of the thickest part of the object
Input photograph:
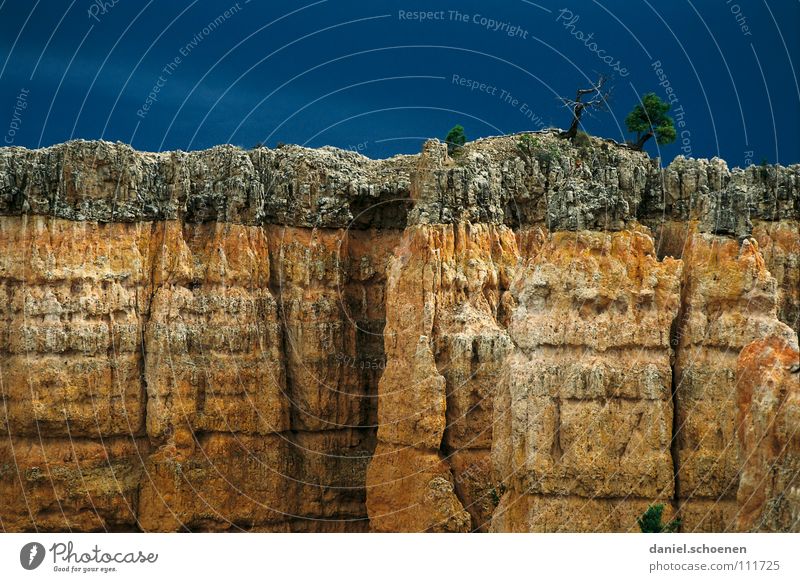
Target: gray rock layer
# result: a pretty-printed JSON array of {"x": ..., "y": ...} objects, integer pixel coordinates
[{"x": 599, "y": 186}]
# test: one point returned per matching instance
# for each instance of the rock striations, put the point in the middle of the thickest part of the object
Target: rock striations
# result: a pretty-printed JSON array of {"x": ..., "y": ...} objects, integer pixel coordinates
[{"x": 528, "y": 336}]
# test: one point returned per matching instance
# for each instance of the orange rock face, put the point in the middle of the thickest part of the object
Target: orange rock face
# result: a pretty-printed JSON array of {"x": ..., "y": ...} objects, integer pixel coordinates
[
  {"x": 79, "y": 484},
  {"x": 445, "y": 348},
  {"x": 768, "y": 431},
  {"x": 583, "y": 412},
  {"x": 729, "y": 300},
  {"x": 277, "y": 482},
  {"x": 779, "y": 243},
  {"x": 213, "y": 336},
  {"x": 73, "y": 298},
  {"x": 240, "y": 378},
  {"x": 227, "y": 359}
]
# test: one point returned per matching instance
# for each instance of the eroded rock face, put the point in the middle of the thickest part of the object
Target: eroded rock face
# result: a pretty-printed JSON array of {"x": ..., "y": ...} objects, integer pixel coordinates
[
  {"x": 779, "y": 243},
  {"x": 213, "y": 337},
  {"x": 310, "y": 340},
  {"x": 444, "y": 349},
  {"x": 207, "y": 357},
  {"x": 583, "y": 412},
  {"x": 73, "y": 298},
  {"x": 723, "y": 201},
  {"x": 276, "y": 482},
  {"x": 78, "y": 484},
  {"x": 730, "y": 300},
  {"x": 768, "y": 431}
]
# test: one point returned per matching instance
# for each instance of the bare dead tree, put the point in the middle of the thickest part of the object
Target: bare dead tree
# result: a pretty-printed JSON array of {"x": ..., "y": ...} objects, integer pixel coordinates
[{"x": 595, "y": 97}]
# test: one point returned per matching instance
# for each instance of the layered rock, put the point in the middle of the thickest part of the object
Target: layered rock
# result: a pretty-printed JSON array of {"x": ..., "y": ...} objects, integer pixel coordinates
[
  {"x": 213, "y": 340},
  {"x": 583, "y": 413},
  {"x": 779, "y": 243},
  {"x": 176, "y": 346},
  {"x": 277, "y": 482},
  {"x": 329, "y": 286},
  {"x": 309, "y": 340},
  {"x": 74, "y": 295},
  {"x": 729, "y": 300},
  {"x": 721, "y": 200},
  {"x": 768, "y": 431},
  {"x": 78, "y": 484},
  {"x": 105, "y": 182},
  {"x": 444, "y": 349}
]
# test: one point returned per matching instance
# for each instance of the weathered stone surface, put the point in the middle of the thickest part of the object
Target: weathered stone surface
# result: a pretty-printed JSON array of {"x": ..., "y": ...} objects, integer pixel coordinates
[
  {"x": 600, "y": 185},
  {"x": 329, "y": 285},
  {"x": 237, "y": 482},
  {"x": 584, "y": 410},
  {"x": 444, "y": 347},
  {"x": 451, "y": 323},
  {"x": 249, "y": 326},
  {"x": 178, "y": 322},
  {"x": 73, "y": 299},
  {"x": 729, "y": 300},
  {"x": 213, "y": 339},
  {"x": 721, "y": 200},
  {"x": 523, "y": 513},
  {"x": 495, "y": 180},
  {"x": 411, "y": 490},
  {"x": 70, "y": 485},
  {"x": 768, "y": 427},
  {"x": 701, "y": 515},
  {"x": 111, "y": 182},
  {"x": 475, "y": 487},
  {"x": 779, "y": 243}
]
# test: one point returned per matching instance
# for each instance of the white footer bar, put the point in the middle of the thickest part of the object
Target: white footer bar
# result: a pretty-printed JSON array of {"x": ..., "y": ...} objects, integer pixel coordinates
[{"x": 333, "y": 557}]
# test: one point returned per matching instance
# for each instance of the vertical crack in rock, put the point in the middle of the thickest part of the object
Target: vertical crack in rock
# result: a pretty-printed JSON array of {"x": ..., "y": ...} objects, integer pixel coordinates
[
  {"x": 556, "y": 451},
  {"x": 444, "y": 350},
  {"x": 276, "y": 286},
  {"x": 410, "y": 487},
  {"x": 676, "y": 331},
  {"x": 144, "y": 300}
]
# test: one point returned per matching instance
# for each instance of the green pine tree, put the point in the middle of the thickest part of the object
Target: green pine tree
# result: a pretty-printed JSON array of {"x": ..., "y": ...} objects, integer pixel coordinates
[
  {"x": 650, "y": 118},
  {"x": 455, "y": 139}
]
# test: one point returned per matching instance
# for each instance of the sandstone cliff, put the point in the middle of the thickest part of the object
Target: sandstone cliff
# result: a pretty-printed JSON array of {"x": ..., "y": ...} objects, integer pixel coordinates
[{"x": 537, "y": 338}]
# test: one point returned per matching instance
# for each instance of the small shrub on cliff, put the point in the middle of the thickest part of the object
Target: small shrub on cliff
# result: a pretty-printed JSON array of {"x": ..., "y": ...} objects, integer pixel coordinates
[
  {"x": 495, "y": 493},
  {"x": 532, "y": 148},
  {"x": 526, "y": 145},
  {"x": 764, "y": 168},
  {"x": 582, "y": 140},
  {"x": 455, "y": 140},
  {"x": 650, "y": 521}
]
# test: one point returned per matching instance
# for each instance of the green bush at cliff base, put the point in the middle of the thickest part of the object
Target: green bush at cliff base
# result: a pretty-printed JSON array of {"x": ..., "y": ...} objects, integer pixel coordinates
[{"x": 650, "y": 521}]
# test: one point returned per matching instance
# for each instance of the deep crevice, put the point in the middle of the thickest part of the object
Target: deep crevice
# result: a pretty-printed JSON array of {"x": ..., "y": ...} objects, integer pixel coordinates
[{"x": 675, "y": 334}]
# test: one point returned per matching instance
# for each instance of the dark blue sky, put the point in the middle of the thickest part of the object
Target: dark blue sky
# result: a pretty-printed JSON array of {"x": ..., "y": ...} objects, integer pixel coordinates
[{"x": 368, "y": 75}]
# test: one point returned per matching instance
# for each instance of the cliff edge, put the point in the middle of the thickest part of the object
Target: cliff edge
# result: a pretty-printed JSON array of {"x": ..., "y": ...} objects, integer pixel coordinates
[{"x": 526, "y": 336}]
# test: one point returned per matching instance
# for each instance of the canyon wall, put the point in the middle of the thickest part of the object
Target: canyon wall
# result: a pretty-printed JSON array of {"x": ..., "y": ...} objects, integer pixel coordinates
[{"x": 525, "y": 336}]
